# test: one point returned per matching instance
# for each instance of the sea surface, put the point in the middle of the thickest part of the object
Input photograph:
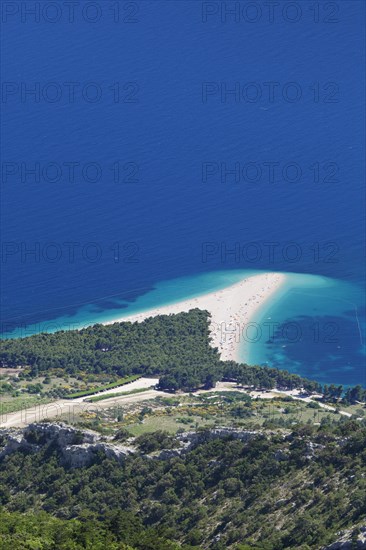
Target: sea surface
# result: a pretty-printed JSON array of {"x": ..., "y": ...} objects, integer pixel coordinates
[{"x": 174, "y": 147}]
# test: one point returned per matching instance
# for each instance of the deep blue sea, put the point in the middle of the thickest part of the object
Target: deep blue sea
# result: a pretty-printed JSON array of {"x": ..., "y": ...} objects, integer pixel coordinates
[{"x": 156, "y": 149}]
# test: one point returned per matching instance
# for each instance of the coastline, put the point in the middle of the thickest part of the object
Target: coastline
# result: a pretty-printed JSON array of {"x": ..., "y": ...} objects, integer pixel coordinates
[
  {"x": 231, "y": 308},
  {"x": 259, "y": 332}
]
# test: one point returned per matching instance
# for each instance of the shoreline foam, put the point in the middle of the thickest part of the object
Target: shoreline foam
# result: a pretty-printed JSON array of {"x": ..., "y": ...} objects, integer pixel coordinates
[{"x": 231, "y": 308}]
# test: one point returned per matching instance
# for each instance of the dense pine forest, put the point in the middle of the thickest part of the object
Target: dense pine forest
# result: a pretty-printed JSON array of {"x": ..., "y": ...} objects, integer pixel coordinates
[{"x": 175, "y": 347}]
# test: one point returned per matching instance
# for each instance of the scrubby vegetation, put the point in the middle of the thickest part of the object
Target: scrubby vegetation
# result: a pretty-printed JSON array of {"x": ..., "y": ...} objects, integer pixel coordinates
[
  {"x": 278, "y": 491},
  {"x": 297, "y": 484},
  {"x": 209, "y": 410}
]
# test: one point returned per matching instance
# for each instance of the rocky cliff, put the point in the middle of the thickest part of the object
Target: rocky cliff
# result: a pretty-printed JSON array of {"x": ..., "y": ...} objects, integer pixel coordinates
[{"x": 77, "y": 448}]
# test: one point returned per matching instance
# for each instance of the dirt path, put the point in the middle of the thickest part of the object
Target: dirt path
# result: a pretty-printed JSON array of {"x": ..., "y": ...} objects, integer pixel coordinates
[{"x": 73, "y": 407}]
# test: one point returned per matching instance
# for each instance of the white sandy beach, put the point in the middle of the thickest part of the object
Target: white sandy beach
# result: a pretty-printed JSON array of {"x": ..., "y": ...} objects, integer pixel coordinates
[{"x": 231, "y": 308}]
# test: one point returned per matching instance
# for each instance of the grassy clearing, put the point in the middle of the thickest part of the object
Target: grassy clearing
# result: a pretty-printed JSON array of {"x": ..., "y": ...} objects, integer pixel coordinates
[
  {"x": 15, "y": 404},
  {"x": 185, "y": 413},
  {"x": 357, "y": 410},
  {"x": 167, "y": 423},
  {"x": 229, "y": 412},
  {"x": 98, "y": 389}
]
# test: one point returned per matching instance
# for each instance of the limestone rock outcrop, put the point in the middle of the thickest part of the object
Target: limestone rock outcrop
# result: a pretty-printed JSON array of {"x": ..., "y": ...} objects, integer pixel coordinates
[{"x": 77, "y": 448}]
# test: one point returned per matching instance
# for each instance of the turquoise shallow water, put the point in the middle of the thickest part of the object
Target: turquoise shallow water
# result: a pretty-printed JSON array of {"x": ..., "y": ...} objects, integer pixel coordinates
[
  {"x": 164, "y": 292},
  {"x": 310, "y": 326}
]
